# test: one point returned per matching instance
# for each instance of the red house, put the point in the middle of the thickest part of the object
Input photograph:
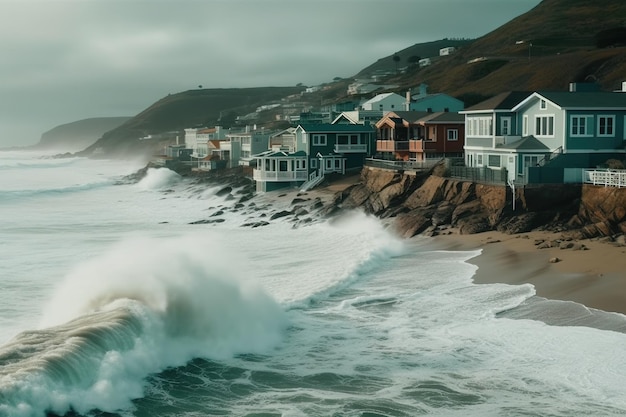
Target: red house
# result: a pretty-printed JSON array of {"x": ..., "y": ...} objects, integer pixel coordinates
[{"x": 417, "y": 136}]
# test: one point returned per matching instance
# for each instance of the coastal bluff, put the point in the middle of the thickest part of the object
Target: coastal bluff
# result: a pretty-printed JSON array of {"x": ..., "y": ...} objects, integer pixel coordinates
[{"x": 428, "y": 203}]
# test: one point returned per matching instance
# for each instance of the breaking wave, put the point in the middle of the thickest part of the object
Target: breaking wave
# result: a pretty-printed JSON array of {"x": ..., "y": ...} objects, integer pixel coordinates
[{"x": 146, "y": 305}]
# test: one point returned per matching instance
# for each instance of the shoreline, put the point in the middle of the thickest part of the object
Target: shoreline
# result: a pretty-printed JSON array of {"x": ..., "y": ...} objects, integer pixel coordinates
[{"x": 589, "y": 273}]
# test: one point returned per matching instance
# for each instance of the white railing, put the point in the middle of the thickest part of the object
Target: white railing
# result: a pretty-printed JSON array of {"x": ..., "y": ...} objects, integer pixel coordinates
[
  {"x": 342, "y": 148},
  {"x": 605, "y": 177},
  {"x": 279, "y": 175}
]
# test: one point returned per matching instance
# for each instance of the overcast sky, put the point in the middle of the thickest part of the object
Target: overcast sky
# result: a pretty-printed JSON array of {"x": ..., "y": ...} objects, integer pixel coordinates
[{"x": 67, "y": 60}]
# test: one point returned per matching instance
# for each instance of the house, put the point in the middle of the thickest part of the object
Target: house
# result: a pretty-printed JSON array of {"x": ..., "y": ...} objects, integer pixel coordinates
[
  {"x": 424, "y": 62},
  {"x": 423, "y": 101},
  {"x": 284, "y": 140},
  {"x": 547, "y": 136},
  {"x": 447, "y": 51},
  {"x": 419, "y": 136},
  {"x": 358, "y": 117},
  {"x": 238, "y": 148},
  {"x": 198, "y": 139},
  {"x": 279, "y": 169},
  {"x": 385, "y": 102},
  {"x": 320, "y": 149}
]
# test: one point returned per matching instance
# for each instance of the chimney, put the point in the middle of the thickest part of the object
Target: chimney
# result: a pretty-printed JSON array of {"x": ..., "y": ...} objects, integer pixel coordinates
[{"x": 407, "y": 103}]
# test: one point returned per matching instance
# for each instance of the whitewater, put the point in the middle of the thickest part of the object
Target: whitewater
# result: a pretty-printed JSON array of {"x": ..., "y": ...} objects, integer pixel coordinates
[{"x": 157, "y": 298}]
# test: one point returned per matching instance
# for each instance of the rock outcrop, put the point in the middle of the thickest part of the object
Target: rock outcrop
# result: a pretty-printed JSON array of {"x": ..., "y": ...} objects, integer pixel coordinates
[{"x": 430, "y": 204}]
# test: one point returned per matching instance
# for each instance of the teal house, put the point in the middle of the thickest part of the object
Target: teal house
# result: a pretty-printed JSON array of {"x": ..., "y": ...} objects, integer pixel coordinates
[
  {"x": 320, "y": 149},
  {"x": 546, "y": 136}
]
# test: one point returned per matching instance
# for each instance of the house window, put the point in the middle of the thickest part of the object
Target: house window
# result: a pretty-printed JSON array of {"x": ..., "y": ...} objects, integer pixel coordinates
[
  {"x": 505, "y": 126},
  {"x": 282, "y": 165},
  {"x": 453, "y": 134},
  {"x": 580, "y": 126},
  {"x": 544, "y": 126},
  {"x": 319, "y": 140},
  {"x": 329, "y": 164},
  {"x": 530, "y": 161},
  {"x": 493, "y": 161},
  {"x": 479, "y": 126},
  {"x": 606, "y": 125},
  {"x": 337, "y": 164},
  {"x": 313, "y": 163},
  {"x": 525, "y": 126},
  {"x": 479, "y": 159},
  {"x": 543, "y": 105}
]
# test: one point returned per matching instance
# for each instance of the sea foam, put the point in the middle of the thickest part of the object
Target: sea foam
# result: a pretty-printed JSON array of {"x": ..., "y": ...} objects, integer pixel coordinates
[{"x": 145, "y": 305}]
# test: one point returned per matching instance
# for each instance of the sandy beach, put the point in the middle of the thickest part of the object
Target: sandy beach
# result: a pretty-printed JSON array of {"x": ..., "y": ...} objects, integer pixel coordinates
[{"x": 592, "y": 272}]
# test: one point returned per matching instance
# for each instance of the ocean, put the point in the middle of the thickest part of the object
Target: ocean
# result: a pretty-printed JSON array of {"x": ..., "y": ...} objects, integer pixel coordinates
[{"x": 160, "y": 298}]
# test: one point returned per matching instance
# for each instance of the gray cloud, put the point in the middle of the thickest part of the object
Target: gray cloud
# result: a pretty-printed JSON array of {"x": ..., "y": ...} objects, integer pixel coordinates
[{"x": 65, "y": 60}]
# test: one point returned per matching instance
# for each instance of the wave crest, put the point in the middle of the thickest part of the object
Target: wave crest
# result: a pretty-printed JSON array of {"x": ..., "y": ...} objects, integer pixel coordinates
[{"x": 146, "y": 305}]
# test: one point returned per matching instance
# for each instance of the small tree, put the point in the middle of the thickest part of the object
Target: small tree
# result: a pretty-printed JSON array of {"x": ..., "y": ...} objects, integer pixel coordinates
[
  {"x": 414, "y": 59},
  {"x": 396, "y": 59}
]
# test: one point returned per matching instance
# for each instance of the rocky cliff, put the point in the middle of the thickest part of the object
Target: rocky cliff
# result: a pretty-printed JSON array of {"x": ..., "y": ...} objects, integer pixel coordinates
[{"x": 429, "y": 203}]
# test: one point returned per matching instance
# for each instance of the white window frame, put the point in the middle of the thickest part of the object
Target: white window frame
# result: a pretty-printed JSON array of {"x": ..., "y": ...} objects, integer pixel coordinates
[
  {"x": 543, "y": 127},
  {"x": 318, "y": 140},
  {"x": 530, "y": 161},
  {"x": 479, "y": 159},
  {"x": 588, "y": 125},
  {"x": 479, "y": 126},
  {"x": 543, "y": 104},
  {"x": 525, "y": 125},
  {"x": 610, "y": 134},
  {"x": 313, "y": 163},
  {"x": 505, "y": 126},
  {"x": 452, "y": 135},
  {"x": 494, "y": 156}
]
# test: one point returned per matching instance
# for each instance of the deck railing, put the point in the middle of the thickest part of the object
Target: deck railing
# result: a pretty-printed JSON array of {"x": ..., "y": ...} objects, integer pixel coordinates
[
  {"x": 402, "y": 165},
  {"x": 605, "y": 177}
]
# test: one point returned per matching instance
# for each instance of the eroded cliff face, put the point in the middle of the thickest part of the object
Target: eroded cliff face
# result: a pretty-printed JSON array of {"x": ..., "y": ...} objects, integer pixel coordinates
[
  {"x": 431, "y": 204},
  {"x": 602, "y": 212}
]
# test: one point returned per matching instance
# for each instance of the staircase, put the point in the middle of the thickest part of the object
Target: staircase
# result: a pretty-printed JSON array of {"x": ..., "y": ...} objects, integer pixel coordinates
[{"x": 313, "y": 181}]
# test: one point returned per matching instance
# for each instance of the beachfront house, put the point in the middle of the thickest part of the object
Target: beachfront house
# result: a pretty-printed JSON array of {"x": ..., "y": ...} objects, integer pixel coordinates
[
  {"x": 198, "y": 140},
  {"x": 238, "y": 148},
  {"x": 547, "y": 136},
  {"x": 320, "y": 149},
  {"x": 420, "y": 136}
]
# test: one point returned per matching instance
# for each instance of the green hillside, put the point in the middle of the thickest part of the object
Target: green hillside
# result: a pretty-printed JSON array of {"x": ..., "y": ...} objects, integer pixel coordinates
[{"x": 78, "y": 135}]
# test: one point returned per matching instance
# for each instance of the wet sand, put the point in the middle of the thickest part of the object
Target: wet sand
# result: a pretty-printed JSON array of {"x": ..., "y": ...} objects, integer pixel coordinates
[{"x": 594, "y": 276}]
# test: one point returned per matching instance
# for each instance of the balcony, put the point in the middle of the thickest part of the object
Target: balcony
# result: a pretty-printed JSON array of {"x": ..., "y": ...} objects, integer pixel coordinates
[
  {"x": 339, "y": 148},
  {"x": 391, "y": 145},
  {"x": 422, "y": 146},
  {"x": 504, "y": 140},
  {"x": 279, "y": 176}
]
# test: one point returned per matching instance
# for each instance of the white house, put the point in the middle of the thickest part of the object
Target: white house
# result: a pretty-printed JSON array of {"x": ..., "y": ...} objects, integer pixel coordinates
[
  {"x": 447, "y": 51},
  {"x": 385, "y": 102}
]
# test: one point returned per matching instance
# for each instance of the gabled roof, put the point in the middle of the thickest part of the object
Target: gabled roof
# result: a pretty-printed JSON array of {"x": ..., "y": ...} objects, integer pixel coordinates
[
  {"x": 329, "y": 128},
  {"x": 280, "y": 154},
  {"x": 418, "y": 98},
  {"x": 444, "y": 117},
  {"x": 528, "y": 143},
  {"x": 410, "y": 116},
  {"x": 380, "y": 97},
  {"x": 580, "y": 100},
  {"x": 502, "y": 101}
]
